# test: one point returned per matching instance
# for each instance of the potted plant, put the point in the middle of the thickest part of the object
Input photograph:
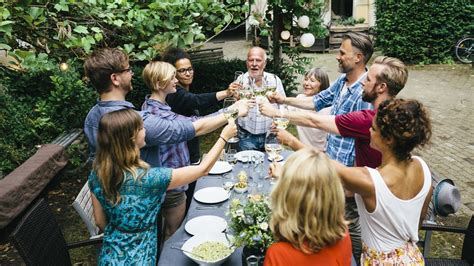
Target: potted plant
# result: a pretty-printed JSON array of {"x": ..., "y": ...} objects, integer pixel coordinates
[{"x": 249, "y": 223}]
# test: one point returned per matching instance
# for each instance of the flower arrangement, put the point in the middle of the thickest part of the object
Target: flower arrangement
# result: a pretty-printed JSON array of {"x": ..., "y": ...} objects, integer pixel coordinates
[{"x": 249, "y": 222}]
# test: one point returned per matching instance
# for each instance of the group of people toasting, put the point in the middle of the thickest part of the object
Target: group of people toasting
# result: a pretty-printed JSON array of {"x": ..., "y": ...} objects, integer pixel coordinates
[{"x": 351, "y": 189}]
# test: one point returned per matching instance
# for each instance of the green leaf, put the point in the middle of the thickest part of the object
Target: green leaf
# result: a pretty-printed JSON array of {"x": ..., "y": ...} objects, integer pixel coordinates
[
  {"x": 96, "y": 29},
  {"x": 118, "y": 22},
  {"x": 61, "y": 7},
  {"x": 5, "y": 46},
  {"x": 81, "y": 29},
  {"x": 4, "y": 13},
  {"x": 35, "y": 12},
  {"x": 188, "y": 38}
]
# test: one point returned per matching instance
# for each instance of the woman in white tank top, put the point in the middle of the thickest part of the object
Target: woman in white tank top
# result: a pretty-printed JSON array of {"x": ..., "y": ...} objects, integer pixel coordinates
[{"x": 392, "y": 198}]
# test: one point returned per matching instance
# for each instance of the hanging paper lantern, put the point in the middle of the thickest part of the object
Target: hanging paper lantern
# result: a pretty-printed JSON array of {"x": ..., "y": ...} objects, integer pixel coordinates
[
  {"x": 303, "y": 22},
  {"x": 307, "y": 40},
  {"x": 285, "y": 35}
]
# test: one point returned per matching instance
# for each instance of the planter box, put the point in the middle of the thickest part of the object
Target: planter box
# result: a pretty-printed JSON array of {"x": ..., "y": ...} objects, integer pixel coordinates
[{"x": 336, "y": 33}]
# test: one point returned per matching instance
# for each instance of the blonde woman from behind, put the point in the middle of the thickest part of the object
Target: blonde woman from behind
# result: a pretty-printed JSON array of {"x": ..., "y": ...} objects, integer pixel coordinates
[{"x": 308, "y": 214}]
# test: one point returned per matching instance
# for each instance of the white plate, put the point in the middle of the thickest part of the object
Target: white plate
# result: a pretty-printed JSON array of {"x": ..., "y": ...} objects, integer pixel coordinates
[
  {"x": 220, "y": 167},
  {"x": 205, "y": 224},
  {"x": 211, "y": 195},
  {"x": 278, "y": 159},
  {"x": 249, "y": 153}
]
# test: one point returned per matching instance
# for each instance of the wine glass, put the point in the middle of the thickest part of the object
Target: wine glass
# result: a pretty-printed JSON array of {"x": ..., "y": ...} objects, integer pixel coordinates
[
  {"x": 270, "y": 85},
  {"x": 281, "y": 120},
  {"x": 231, "y": 113},
  {"x": 273, "y": 148},
  {"x": 239, "y": 77}
]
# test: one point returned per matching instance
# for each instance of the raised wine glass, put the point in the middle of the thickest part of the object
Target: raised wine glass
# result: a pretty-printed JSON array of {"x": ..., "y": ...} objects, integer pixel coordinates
[
  {"x": 231, "y": 113},
  {"x": 281, "y": 120},
  {"x": 273, "y": 148}
]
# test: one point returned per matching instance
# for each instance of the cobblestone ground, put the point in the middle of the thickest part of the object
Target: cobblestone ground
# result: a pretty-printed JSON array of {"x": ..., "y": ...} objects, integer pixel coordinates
[{"x": 448, "y": 91}]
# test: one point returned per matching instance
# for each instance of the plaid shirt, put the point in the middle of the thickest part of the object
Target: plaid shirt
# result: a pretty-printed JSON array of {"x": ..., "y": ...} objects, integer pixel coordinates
[
  {"x": 340, "y": 148},
  {"x": 255, "y": 122}
]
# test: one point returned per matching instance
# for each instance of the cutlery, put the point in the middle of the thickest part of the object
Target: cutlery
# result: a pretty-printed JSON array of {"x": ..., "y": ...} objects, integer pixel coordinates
[{"x": 189, "y": 252}]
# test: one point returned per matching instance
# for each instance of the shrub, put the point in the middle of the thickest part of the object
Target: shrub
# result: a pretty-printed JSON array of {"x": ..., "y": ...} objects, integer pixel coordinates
[
  {"x": 422, "y": 31},
  {"x": 38, "y": 104}
]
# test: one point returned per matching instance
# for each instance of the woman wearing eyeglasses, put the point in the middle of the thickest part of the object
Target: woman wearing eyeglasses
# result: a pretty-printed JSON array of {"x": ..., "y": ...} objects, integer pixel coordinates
[{"x": 187, "y": 103}]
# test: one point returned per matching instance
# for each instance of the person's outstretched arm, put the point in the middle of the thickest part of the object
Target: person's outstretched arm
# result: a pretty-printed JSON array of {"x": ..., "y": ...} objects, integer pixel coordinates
[{"x": 186, "y": 175}]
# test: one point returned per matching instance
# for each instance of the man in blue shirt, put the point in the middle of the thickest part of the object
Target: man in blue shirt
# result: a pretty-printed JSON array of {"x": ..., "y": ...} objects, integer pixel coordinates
[{"x": 345, "y": 96}]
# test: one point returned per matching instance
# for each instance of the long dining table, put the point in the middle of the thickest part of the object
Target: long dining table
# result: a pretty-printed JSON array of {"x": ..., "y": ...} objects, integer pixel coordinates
[{"x": 173, "y": 256}]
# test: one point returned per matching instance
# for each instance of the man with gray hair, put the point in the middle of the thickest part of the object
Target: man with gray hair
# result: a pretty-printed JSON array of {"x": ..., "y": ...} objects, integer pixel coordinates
[{"x": 254, "y": 126}]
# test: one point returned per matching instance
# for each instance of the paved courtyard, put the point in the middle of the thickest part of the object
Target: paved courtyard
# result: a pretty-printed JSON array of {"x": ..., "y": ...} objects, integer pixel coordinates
[{"x": 448, "y": 91}]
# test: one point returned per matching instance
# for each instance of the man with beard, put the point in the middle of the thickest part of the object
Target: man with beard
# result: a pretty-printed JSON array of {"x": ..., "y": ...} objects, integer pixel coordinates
[
  {"x": 253, "y": 127},
  {"x": 385, "y": 79},
  {"x": 345, "y": 96}
]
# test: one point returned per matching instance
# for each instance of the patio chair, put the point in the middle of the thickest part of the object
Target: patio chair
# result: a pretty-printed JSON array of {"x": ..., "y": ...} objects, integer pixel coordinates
[
  {"x": 39, "y": 240},
  {"x": 83, "y": 206},
  {"x": 467, "y": 255}
]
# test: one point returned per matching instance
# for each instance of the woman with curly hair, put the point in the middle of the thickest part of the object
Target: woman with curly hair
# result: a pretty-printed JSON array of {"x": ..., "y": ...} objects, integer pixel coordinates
[
  {"x": 308, "y": 214},
  {"x": 392, "y": 198}
]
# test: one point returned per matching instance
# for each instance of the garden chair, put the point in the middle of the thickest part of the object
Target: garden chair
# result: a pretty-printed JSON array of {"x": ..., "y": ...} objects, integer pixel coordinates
[
  {"x": 467, "y": 255},
  {"x": 39, "y": 240},
  {"x": 83, "y": 206}
]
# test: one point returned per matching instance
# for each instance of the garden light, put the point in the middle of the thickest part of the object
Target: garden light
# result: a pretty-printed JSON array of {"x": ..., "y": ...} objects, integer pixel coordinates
[
  {"x": 285, "y": 35},
  {"x": 303, "y": 22},
  {"x": 63, "y": 66},
  {"x": 307, "y": 40}
]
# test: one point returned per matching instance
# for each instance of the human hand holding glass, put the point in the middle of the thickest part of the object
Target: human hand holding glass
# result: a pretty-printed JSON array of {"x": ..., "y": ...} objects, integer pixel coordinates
[
  {"x": 273, "y": 148},
  {"x": 231, "y": 113}
]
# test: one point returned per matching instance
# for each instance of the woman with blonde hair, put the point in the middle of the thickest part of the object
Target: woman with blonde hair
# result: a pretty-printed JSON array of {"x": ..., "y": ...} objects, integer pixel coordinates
[
  {"x": 160, "y": 78},
  {"x": 127, "y": 193},
  {"x": 308, "y": 214}
]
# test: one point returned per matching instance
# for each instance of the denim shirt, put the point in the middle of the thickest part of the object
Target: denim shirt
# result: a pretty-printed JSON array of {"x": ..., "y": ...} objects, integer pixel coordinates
[
  {"x": 166, "y": 136},
  {"x": 341, "y": 148},
  {"x": 91, "y": 124}
]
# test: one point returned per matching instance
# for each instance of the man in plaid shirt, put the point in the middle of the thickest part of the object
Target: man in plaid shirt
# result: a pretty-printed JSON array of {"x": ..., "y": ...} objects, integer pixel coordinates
[
  {"x": 254, "y": 126},
  {"x": 345, "y": 96}
]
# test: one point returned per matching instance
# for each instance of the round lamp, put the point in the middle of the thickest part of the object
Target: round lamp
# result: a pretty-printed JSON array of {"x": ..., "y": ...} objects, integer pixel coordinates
[
  {"x": 307, "y": 40},
  {"x": 63, "y": 66},
  {"x": 285, "y": 35},
  {"x": 303, "y": 22}
]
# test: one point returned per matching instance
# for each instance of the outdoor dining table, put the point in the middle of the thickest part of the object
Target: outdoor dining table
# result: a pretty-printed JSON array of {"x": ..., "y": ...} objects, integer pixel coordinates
[{"x": 173, "y": 256}]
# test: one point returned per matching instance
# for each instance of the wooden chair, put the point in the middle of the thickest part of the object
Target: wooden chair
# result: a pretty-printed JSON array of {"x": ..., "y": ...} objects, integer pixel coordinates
[
  {"x": 467, "y": 255},
  {"x": 83, "y": 206},
  {"x": 39, "y": 240}
]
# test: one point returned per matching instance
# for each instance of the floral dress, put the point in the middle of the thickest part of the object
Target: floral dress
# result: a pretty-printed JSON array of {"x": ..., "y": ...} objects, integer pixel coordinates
[{"x": 130, "y": 237}]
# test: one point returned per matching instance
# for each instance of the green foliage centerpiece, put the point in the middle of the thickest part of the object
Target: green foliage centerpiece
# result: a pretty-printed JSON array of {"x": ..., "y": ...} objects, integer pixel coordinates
[{"x": 249, "y": 222}]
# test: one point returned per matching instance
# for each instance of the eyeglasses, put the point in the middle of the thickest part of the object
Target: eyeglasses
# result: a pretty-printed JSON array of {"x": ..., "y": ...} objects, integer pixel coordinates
[
  {"x": 125, "y": 70},
  {"x": 184, "y": 70}
]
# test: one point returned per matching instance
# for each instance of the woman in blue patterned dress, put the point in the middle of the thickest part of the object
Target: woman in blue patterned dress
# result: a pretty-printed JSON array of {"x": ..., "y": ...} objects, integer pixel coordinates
[{"x": 127, "y": 193}]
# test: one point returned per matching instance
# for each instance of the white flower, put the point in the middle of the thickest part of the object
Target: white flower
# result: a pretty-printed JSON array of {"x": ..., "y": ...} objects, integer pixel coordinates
[{"x": 264, "y": 226}]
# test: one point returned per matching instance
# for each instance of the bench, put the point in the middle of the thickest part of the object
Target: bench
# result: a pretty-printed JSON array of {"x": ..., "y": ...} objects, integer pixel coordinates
[{"x": 210, "y": 55}]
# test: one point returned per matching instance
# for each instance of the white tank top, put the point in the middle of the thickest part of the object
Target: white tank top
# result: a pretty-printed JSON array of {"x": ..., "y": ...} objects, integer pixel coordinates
[{"x": 394, "y": 221}]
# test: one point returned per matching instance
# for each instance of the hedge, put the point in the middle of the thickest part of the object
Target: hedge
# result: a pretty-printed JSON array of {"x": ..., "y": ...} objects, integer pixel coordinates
[{"x": 422, "y": 31}]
